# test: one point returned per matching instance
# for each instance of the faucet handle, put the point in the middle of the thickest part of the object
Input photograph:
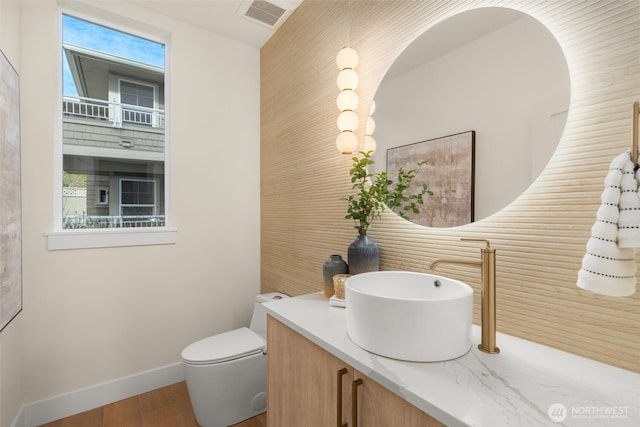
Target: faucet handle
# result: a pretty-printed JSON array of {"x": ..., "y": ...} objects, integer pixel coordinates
[{"x": 472, "y": 239}]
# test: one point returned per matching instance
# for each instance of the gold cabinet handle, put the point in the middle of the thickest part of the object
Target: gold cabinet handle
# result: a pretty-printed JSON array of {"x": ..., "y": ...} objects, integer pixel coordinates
[
  {"x": 339, "y": 423},
  {"x": 354, "y": 401}
]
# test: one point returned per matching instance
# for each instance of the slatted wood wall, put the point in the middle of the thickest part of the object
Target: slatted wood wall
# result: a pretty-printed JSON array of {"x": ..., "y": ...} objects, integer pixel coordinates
[{"x": 540, "y": 238}]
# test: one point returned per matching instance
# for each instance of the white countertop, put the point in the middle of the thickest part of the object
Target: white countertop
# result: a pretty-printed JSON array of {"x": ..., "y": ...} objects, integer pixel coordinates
[{"x": 518, "y": 387}]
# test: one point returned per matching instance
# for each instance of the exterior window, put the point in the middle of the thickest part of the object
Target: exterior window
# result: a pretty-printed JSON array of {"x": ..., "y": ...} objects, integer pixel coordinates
[
  {"x": 141, "y": 97},
  {"x": 135, "y": 94},
  {"x": 103, "y": 196},
  {"x": 137, "y": 197},
  {"x": 113, "y": 128}
]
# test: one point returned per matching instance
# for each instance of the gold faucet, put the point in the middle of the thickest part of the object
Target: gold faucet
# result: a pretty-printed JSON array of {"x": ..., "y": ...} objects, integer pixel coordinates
[{"x": 487, "y": 265}]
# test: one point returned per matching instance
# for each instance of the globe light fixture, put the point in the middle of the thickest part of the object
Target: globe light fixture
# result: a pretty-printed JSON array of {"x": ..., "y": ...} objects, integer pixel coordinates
[
  {"x": 347, "y": 101},
  {"x": 370, "y": 127}
]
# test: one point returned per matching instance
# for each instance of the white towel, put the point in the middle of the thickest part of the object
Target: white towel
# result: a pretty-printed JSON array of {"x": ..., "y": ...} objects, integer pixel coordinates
[
  {"x": 607, "y": 267},
  {"x": 629, "y": 224}
]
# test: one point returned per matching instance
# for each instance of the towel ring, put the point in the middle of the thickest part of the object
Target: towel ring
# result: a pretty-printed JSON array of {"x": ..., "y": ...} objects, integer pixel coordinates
[{"x": 634, "y": 142}]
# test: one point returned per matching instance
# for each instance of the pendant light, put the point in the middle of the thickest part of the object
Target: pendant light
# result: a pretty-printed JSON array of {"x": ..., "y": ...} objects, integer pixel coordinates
[
  {"x": 347, "y": 101},
  {"x": 370, "y": 127}
]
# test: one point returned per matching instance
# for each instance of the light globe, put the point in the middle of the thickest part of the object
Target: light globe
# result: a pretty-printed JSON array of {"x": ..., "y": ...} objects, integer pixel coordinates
[
  {"x": 347, "y": 79},
  {"x": 347, "y": 142},
  {"x": 347, "y": 100},
  {"x": 348, "y": 121},
  {"x": 347, "y": 58}
]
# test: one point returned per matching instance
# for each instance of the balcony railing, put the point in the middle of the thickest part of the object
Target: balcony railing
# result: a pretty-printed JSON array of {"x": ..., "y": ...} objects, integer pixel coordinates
[
  {"x": 100, "y": 221},
  {"x": 114, "y": 112}
]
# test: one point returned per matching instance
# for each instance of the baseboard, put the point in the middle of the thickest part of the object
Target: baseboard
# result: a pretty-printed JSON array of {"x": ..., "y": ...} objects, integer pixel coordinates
[
  {"x": 18, "y": 421},
  {"x": 45, "y": 411}
]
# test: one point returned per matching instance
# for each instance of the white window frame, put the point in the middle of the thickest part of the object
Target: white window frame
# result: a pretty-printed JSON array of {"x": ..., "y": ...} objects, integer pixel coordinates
[
  {"x": 99, "y": 201},
  {"x": 155, "y": 193},
  {"x": 154, "y": 118},
  {"x": 115, "y": 93},
  {"x": 63, "y": 239}
]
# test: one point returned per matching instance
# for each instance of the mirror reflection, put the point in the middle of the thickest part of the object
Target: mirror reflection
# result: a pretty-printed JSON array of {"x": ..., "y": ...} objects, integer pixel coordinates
[{"x": 496, "y": 72}]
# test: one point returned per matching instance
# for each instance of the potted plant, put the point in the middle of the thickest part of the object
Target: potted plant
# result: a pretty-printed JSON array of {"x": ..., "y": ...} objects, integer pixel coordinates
[{"x": 373, "y": 192}]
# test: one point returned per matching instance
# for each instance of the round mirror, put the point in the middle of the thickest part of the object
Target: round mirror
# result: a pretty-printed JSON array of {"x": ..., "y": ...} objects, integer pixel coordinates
[{"x": 482, "y": 97}]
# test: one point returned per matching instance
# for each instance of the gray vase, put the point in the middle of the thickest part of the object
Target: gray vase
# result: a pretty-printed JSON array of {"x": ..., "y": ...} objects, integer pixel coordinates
[
  {"x": 334, "y": 265},
  {"x": 364, "y": 255}
]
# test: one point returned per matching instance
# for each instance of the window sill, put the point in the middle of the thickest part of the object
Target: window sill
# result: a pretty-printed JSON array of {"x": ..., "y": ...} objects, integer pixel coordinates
[{"x": 87, "y": 239}]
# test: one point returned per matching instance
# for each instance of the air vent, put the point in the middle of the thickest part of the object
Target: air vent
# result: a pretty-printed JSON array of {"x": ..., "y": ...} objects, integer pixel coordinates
[{"x": 265, "y": 12}]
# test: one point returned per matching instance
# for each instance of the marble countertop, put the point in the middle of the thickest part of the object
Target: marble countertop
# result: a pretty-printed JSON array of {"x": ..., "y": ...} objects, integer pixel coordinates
[{"x": 526, "y": 384}]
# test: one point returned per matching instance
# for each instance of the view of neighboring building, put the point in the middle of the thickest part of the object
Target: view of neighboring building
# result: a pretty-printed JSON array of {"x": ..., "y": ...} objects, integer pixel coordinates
[{"x": 113, "y": 142}]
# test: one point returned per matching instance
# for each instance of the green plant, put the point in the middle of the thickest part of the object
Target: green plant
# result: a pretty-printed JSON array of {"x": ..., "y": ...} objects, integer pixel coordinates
[{"x": 374, "y": 191}]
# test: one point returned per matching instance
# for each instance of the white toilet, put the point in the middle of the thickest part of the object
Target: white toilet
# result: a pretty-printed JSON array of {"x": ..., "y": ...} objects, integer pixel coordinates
[{"x": 226, "y": 374}]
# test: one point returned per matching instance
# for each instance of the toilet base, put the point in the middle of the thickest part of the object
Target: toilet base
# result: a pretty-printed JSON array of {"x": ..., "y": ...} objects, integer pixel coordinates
[{"x": 226, "y": 393}]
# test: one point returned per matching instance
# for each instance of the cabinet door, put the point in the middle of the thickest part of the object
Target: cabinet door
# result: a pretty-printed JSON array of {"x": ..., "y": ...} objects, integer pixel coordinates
[
  {"x": 378, "y": 407},
  {"x": 302, "y": 381}
]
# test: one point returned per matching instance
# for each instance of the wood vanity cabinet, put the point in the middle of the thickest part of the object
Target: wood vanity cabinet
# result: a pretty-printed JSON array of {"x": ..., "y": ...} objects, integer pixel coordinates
[{"x": 307, "y": 386}]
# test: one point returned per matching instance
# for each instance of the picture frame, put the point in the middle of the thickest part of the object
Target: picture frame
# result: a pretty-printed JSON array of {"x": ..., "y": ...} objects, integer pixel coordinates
[
  {"x": 10, "y": 195},
  {"x": 449, "y": 172}
]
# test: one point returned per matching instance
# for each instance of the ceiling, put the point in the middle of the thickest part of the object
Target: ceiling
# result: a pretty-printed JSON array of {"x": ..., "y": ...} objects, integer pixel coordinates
[
  {"x": 226, "y": 18},
  {"x": 223, "y": 17}
]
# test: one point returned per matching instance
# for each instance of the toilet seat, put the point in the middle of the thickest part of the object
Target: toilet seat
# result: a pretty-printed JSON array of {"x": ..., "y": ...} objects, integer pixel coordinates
[{"x": 223, "y": 347}]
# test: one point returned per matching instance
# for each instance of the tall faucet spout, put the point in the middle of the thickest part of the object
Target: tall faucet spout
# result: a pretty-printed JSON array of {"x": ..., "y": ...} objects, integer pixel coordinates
[
  {"x": 439, "y": 261},
  {"x": 487, "y": 265}
]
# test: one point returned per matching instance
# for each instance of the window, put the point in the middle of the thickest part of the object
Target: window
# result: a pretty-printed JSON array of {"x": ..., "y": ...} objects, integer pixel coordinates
[
  {"x": 141, "y": 96},
  {"x": 102, "y": 198},
  {"x": 136, "y": 94},
  {"x": 137, "y": 197},
  {"x": 113, "y": 94},
  {"x": 113, "y": 116}
]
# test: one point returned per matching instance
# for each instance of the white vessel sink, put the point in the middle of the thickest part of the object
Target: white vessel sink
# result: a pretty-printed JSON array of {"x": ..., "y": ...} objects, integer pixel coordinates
[{"x": 409, "y": 316}]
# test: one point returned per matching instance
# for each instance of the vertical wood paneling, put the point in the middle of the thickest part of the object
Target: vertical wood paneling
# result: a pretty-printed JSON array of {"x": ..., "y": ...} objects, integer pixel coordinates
[{"x": 540, "y": 238}]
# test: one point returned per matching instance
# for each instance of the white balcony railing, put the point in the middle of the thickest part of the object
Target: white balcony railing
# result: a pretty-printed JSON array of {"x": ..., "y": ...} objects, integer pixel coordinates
[
  {"x": 114, "y": 112},
  {"x": 100, "y": 221}
]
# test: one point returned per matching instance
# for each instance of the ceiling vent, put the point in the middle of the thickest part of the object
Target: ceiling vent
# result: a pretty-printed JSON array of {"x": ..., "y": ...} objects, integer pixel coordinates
[
  {"x": 270, "y": 13},
  {"x": 265, "y": 12}
]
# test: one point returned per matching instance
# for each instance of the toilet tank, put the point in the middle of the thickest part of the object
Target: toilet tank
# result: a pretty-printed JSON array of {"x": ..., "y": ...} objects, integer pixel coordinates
[{"x": 259, "y": 318}]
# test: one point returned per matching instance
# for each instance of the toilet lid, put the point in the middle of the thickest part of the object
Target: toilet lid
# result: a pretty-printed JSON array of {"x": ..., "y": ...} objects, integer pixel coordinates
[{"x": 223, "y": 347}]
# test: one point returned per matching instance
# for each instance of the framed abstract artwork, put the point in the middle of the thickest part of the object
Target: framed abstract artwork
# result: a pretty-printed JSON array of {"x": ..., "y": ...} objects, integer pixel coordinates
[
  {"x": 10, "y": 196},
  {"x": 449, "y": 172}
]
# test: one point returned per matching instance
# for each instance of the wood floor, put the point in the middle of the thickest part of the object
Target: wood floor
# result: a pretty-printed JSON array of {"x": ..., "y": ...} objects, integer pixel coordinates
[{"x": 165, "y": 407}]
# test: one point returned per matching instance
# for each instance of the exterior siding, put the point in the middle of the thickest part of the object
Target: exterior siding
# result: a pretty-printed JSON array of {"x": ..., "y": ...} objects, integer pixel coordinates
[{"x": 92, "y": 133}]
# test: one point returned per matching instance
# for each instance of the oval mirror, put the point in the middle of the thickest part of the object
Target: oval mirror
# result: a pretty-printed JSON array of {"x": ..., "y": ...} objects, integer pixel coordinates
[{"x": 482, "y": 97}]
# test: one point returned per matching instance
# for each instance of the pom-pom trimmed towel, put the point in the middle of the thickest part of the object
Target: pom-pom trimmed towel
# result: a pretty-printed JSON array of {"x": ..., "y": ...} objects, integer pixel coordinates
[{"x": 609, "y": 265}]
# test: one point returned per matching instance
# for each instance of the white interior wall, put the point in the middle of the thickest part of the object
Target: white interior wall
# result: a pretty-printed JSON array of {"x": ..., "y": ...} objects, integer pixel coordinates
[
  {"x": 96, "y": 315},
  {"x": 488, "y": 74}
]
